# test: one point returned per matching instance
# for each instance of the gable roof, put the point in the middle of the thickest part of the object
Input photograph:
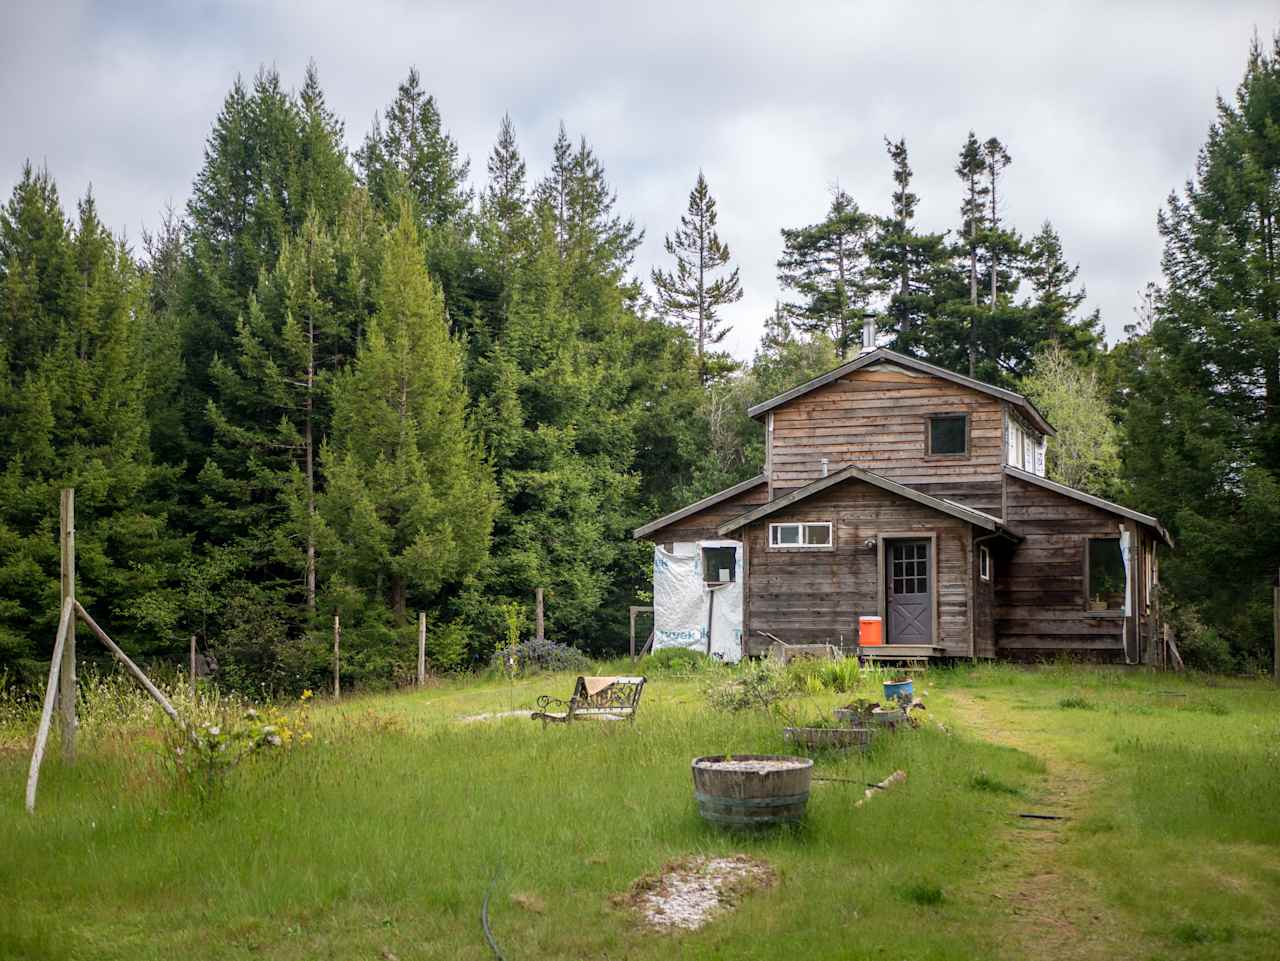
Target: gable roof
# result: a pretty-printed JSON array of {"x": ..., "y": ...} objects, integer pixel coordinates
[
  {"x": 1098, "y": 502},
  {"x": 883, "y": 355},
  {"x": 696, "y": 506},
  {"x": 977, "y": 518}
]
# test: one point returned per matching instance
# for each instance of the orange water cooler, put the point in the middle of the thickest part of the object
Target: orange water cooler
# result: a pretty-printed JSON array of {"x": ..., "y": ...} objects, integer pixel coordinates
[{"x": 870, "y": 632}]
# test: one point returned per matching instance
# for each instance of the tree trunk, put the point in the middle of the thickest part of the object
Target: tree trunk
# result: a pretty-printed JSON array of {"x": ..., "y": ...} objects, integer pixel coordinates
[
  {"x": 309, "y": 447},
  {"x": 973, "y": 276}
]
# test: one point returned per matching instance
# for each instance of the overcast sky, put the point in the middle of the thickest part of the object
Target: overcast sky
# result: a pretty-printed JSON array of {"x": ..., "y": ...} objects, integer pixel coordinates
[{"x": 1102, "y": 105}]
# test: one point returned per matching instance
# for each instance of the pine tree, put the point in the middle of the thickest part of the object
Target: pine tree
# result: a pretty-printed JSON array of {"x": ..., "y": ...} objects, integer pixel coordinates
[
  {"x": 413, "y": 153},
  {"x": 688, "y": 293},
  {"x": 577, "y": 197},
  {"x": 1055, "y": 303},
  {"x": 826, "y": 264},
  {"x": 410, "y": 500},
  {"x": 970, "y": 169},
  {"x": 504, "y": 204},
  {"x": 73, "y": 413},
  {"x": 909, "y": 267},
  {"x": 1202, "y": 388}
]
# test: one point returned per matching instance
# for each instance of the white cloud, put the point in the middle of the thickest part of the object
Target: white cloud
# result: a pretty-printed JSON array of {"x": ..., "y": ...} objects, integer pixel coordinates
[{"x": 1103, "y": 105}]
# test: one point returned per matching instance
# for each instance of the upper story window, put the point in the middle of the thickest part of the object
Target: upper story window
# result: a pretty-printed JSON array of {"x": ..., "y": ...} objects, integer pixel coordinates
[
  {"x": 815, "y": 535},
  {"x": 949, "y": 434},
  {"x": 1026, "y": 447}
]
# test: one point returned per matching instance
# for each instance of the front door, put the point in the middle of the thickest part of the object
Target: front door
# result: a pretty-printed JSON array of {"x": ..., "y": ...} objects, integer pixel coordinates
[{"x": 909, "y": 593}]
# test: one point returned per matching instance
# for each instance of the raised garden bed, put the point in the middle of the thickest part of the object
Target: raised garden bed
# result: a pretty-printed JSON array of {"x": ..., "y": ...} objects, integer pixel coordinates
[{"x": 829, "y": 738}]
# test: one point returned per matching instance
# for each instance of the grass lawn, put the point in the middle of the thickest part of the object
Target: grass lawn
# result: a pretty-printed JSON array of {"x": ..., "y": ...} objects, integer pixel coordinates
[{"x": 379, "y": 838}]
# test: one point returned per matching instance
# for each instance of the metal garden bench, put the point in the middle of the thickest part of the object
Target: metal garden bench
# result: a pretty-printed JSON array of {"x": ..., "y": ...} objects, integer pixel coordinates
[{"x": 604, "y": 698}]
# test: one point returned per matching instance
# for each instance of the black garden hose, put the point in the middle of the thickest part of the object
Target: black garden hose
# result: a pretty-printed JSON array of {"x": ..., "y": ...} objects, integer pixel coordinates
[{"x": 484, "y": 917}]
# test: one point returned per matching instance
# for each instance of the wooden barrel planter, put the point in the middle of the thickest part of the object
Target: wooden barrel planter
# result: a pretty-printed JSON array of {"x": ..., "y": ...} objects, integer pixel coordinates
[
  {"x": 751, "y": 790},
  {"x": 828, "y": 738}
]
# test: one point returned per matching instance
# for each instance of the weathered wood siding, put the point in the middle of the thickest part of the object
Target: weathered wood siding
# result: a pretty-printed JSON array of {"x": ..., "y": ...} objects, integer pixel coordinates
[
  {"x": 813, "y": 596},
  {"x": 984, "y": 603},
  {"x": 877, "y": 418},
  {"x": 704, "y": 525},
  {"x": 1040, "y": 603}
]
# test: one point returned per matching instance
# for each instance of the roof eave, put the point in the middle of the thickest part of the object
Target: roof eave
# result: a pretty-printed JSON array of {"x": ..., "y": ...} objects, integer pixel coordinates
[
  {"x": 710, "y": 501},
  {"x": 1098, "y": 502},
  {"x": 976, "y": 518},
  {"x": 883, "y": 354}
]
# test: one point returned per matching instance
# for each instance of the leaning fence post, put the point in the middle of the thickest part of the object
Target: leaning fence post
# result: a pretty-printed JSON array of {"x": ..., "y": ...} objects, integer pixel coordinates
[
  {"x": 67, "y": 671},
  {"x": 337, "y": 633}
]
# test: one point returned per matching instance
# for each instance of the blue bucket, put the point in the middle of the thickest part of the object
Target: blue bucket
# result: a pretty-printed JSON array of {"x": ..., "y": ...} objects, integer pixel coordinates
[{"x": 897, "y": 690}]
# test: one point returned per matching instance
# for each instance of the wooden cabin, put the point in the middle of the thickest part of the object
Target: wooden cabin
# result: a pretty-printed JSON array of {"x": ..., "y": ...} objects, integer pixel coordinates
[{"x": 897, "y": 489}]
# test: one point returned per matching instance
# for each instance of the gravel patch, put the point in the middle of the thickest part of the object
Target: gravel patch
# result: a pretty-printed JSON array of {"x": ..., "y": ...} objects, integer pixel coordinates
[{"x": 692, "y": 891}]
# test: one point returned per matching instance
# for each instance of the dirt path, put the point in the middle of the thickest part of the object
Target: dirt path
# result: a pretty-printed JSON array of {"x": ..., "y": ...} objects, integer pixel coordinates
[{"x": 1054, "y": 910}]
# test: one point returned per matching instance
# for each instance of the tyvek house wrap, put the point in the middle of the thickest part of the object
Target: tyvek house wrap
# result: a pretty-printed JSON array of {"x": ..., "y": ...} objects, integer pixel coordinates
[{"x": 683, "y": 612}]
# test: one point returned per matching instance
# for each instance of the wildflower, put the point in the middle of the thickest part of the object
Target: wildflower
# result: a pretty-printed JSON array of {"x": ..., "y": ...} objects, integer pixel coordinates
[
  {"x": 274, "y": 740},
  {"x": 306, "y": 695},
  {"x": 215, "y": 731},
  {"x": 306, "y": 736}
]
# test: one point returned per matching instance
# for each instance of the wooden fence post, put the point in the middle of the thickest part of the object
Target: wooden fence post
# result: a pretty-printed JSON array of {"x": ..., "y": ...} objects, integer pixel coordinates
[
  {"x": 67, "y": 671},
  {"x": 337, "y": 633},
  {"x": 1275, "y": 637},
  {"x": 541, "y": 636},
  {"x": 422, "y": 648},
  {"x": 193, "y": 669}
]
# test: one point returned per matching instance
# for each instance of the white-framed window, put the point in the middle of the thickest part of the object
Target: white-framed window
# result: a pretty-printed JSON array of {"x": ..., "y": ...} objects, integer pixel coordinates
[
  {"x": 801, "y": 534},
  {"x": 984, "y": 563}
]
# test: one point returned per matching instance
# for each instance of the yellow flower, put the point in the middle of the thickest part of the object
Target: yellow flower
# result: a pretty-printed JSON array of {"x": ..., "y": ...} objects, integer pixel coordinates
[{"x": 307, "y": 695}]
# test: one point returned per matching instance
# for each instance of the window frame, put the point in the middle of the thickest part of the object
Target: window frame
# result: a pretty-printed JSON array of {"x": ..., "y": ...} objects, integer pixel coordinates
[
  {"x": 928, "y": 433},
  {"x": 802, "y": 544},
  {"x": 1088, "y": 573},
  {"x": 733, "y": 568},
  {"x": 984, "y": 563}
]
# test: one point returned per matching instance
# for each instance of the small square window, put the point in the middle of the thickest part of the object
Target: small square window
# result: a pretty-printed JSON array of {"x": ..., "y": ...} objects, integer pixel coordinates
[
  {"x": 949, "y": 434},
  {"x": 984, "y": 563},
  {"x": 719, "y": 564}
]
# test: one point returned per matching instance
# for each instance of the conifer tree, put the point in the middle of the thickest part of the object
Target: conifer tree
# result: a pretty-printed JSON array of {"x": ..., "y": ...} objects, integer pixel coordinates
[
  {"x": 73, "y": 413},
  {"x": 1202, "y": 389},
  {"x": 970, "y": 170},
  {"x": 413, "y": 153},
  {"x": 826, "y": 264},
  {"x": 688, "y": 293},
  {"x": 504, "y": 204},
  {"x": 410, "y": 500},
  {"x": 1054, "y": 304},
  {"x": 909, "y": 267}
]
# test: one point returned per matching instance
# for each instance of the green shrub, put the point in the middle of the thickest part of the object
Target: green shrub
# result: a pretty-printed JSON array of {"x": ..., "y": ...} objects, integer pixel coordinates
[
  {"x": 982, "y": 781},
  {"x": 447, "y": 646},
  {"x": 677, "y": 660},
  {"x": 1075, "y": 703},
  {"x": 759, "y": 684},
  {"x": 923, "y": 893}
]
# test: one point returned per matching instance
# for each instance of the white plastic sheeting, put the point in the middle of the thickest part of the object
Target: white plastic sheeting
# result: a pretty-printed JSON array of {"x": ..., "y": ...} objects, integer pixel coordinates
[
  {"x": 1125, "y": 551},
  {"x": 684, "y": 612}
]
